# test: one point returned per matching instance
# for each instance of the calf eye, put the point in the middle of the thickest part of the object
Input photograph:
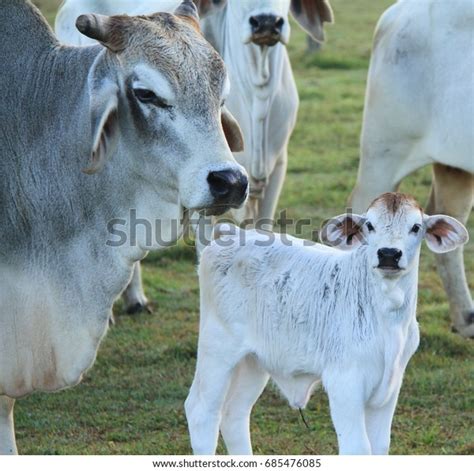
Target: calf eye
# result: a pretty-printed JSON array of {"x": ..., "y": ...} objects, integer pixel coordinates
[
  {"x": 370, "y": 227},
  {"x": 147, "y": 96},
  {"x": 416, "y": 228}
]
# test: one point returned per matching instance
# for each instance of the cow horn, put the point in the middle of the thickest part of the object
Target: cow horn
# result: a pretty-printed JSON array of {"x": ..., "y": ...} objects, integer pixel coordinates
[
  {"x": 102, "y": 29},
  {"x": 188, "y": 8}
]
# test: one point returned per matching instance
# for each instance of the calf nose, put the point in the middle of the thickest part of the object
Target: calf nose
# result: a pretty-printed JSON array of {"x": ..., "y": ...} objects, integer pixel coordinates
[
  {"x": 389, "y": 257},
  {"x": 228, "y": 188},
  {"x": 266, "y": 29}
]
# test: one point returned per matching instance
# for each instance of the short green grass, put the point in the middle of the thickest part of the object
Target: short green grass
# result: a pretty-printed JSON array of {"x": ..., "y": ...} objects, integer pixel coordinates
[{"x": 132, "y": 400}]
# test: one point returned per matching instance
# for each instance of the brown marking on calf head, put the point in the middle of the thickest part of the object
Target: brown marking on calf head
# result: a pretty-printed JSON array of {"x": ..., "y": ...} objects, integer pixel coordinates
[{"x": 394, "y": 201}]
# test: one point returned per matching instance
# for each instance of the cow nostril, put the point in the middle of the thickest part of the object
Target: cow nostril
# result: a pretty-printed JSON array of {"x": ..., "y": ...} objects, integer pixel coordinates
[
  {"x": 228, "y": 187},
  {"x": 254, "y": 23},
  {"x": 220, "y": 183},
  {"x": 398, "y": 255},
  {"x": 279, "y": 24}
]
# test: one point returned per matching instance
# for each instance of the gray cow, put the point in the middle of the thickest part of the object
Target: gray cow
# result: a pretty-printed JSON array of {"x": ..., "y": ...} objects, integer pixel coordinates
[{"x": 85, "y": 135}]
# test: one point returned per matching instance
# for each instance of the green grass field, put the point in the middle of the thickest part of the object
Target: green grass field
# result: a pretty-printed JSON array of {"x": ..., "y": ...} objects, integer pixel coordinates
[{"x": 132, "y": 400}]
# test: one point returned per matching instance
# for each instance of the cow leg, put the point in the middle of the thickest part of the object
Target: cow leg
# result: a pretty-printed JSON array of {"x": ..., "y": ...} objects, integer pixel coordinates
[
  {"x": 346, "y": 392},
  {"x": 379, "y": 424},
  {"x": 204, "y": 404},
  {"x": 386, "y": 159},
  {"x": 134, "y": 295},
  {"x": 269, "y": 203},
  {"x": 376, "y": 176},
  {"x": 452, "y": 194},
  {"x": 247, "y": 384},
  {"x": 7, "y": 428}
]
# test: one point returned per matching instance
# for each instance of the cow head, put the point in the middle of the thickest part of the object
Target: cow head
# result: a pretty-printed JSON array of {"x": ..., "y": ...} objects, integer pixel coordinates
[
  {"x": 393, "y": 229},
  {"x": 266, "y": 22},
  {"x": 157, "y": 93}
]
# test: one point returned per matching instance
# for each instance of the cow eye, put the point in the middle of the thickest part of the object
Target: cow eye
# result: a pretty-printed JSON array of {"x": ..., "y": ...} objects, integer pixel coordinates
[
  {"x": 370, "y": 227},
  {"x": 147, "y": 96},
  {"x": 416, "y": 228}
]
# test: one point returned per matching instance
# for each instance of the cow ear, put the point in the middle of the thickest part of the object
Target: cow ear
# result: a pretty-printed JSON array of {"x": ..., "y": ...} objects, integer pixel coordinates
[
  {"x": 444, "y": 233},
  {"x": 104, "y": 97},
  {"x": 232, "y": 131},
  {"x": 344, "y": 232},
  {"x": 207, "y": 7},
  {"x": 311, "y": 15}
]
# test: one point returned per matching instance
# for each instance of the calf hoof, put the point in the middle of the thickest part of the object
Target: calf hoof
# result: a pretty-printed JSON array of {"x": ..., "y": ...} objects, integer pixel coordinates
[{"x": 138, "y": 308}]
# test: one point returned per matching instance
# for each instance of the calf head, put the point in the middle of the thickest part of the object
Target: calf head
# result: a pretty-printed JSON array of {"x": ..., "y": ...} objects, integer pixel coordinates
[
  {"x": 266, "y": 22},
  {"x": 157, "y": 94},
  {"x": 393, "y": 228}
]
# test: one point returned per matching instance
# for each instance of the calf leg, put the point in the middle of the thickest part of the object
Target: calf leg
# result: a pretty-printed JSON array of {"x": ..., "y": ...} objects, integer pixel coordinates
[
  {"x": 204, "y": 404},
  {"x": 7, "y": 428},
  {"x": 379, "y": 424},
  {"x": 134, "y": 296},
  {"x": 248, "y": 382},
  {"x": 452, "y": 194},
  {"x": 347, "y": 406}
]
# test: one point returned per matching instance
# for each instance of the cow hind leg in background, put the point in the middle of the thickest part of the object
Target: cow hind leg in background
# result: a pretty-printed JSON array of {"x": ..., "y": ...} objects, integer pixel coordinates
[
  {"x": 7, "y": 428},
  {"x": 134, "y": 295},
  {"x": 452, "y": 193}
]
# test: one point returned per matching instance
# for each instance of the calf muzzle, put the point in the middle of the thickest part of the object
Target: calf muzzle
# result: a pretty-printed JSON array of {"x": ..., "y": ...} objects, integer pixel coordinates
[{"x": 389, "y": 258}]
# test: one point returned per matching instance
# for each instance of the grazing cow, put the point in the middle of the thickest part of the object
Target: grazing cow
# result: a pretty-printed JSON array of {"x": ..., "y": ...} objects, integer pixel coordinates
[
  {"x": 251, "y": 37},
  {"x": 147, "y": 108},
  {"x": 301, "y": 313},
  {"x": 419, "y": 110}
]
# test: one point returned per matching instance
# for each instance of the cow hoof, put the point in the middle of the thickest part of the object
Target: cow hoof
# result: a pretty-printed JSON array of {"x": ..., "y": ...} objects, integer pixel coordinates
[
  {"x": 138, "y": 308},
  {"x": 466, "y": 331},
  {"x": 470, "y": 318}
]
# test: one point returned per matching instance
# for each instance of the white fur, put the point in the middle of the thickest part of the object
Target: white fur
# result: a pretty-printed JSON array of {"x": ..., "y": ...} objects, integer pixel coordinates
[{"x": 304, "y": 314}]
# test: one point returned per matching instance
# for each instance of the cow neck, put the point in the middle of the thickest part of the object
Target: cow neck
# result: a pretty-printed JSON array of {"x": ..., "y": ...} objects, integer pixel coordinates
[{"x": 259, "y": 80}]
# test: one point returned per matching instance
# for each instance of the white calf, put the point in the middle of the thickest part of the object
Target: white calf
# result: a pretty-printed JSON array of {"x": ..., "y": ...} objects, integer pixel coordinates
[{"x": 301, "y": 313}]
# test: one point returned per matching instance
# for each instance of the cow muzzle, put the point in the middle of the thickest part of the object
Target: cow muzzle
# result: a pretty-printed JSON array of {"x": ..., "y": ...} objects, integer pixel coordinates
[
  {"x": 266, "y": 29},
  {"x": 229, "y": 189}
]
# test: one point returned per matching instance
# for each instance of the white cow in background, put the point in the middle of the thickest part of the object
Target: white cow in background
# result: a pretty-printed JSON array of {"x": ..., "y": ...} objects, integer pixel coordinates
[
  {"x": 301, "y": 313},
  {"x": 251, "y": 36},
  {"x": 419, "y": 110}
]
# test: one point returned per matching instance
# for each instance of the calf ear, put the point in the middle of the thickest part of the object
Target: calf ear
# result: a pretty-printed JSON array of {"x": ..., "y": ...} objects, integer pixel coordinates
[
  {"x": 104, "y": 122},
  {"x": 311, "y": 14},
  {"x": 207, "y": 7},
  {"x": 444, "y": 233},
  {"x": 344, "y": 231},
  {"x": 232, "y": 131}
]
